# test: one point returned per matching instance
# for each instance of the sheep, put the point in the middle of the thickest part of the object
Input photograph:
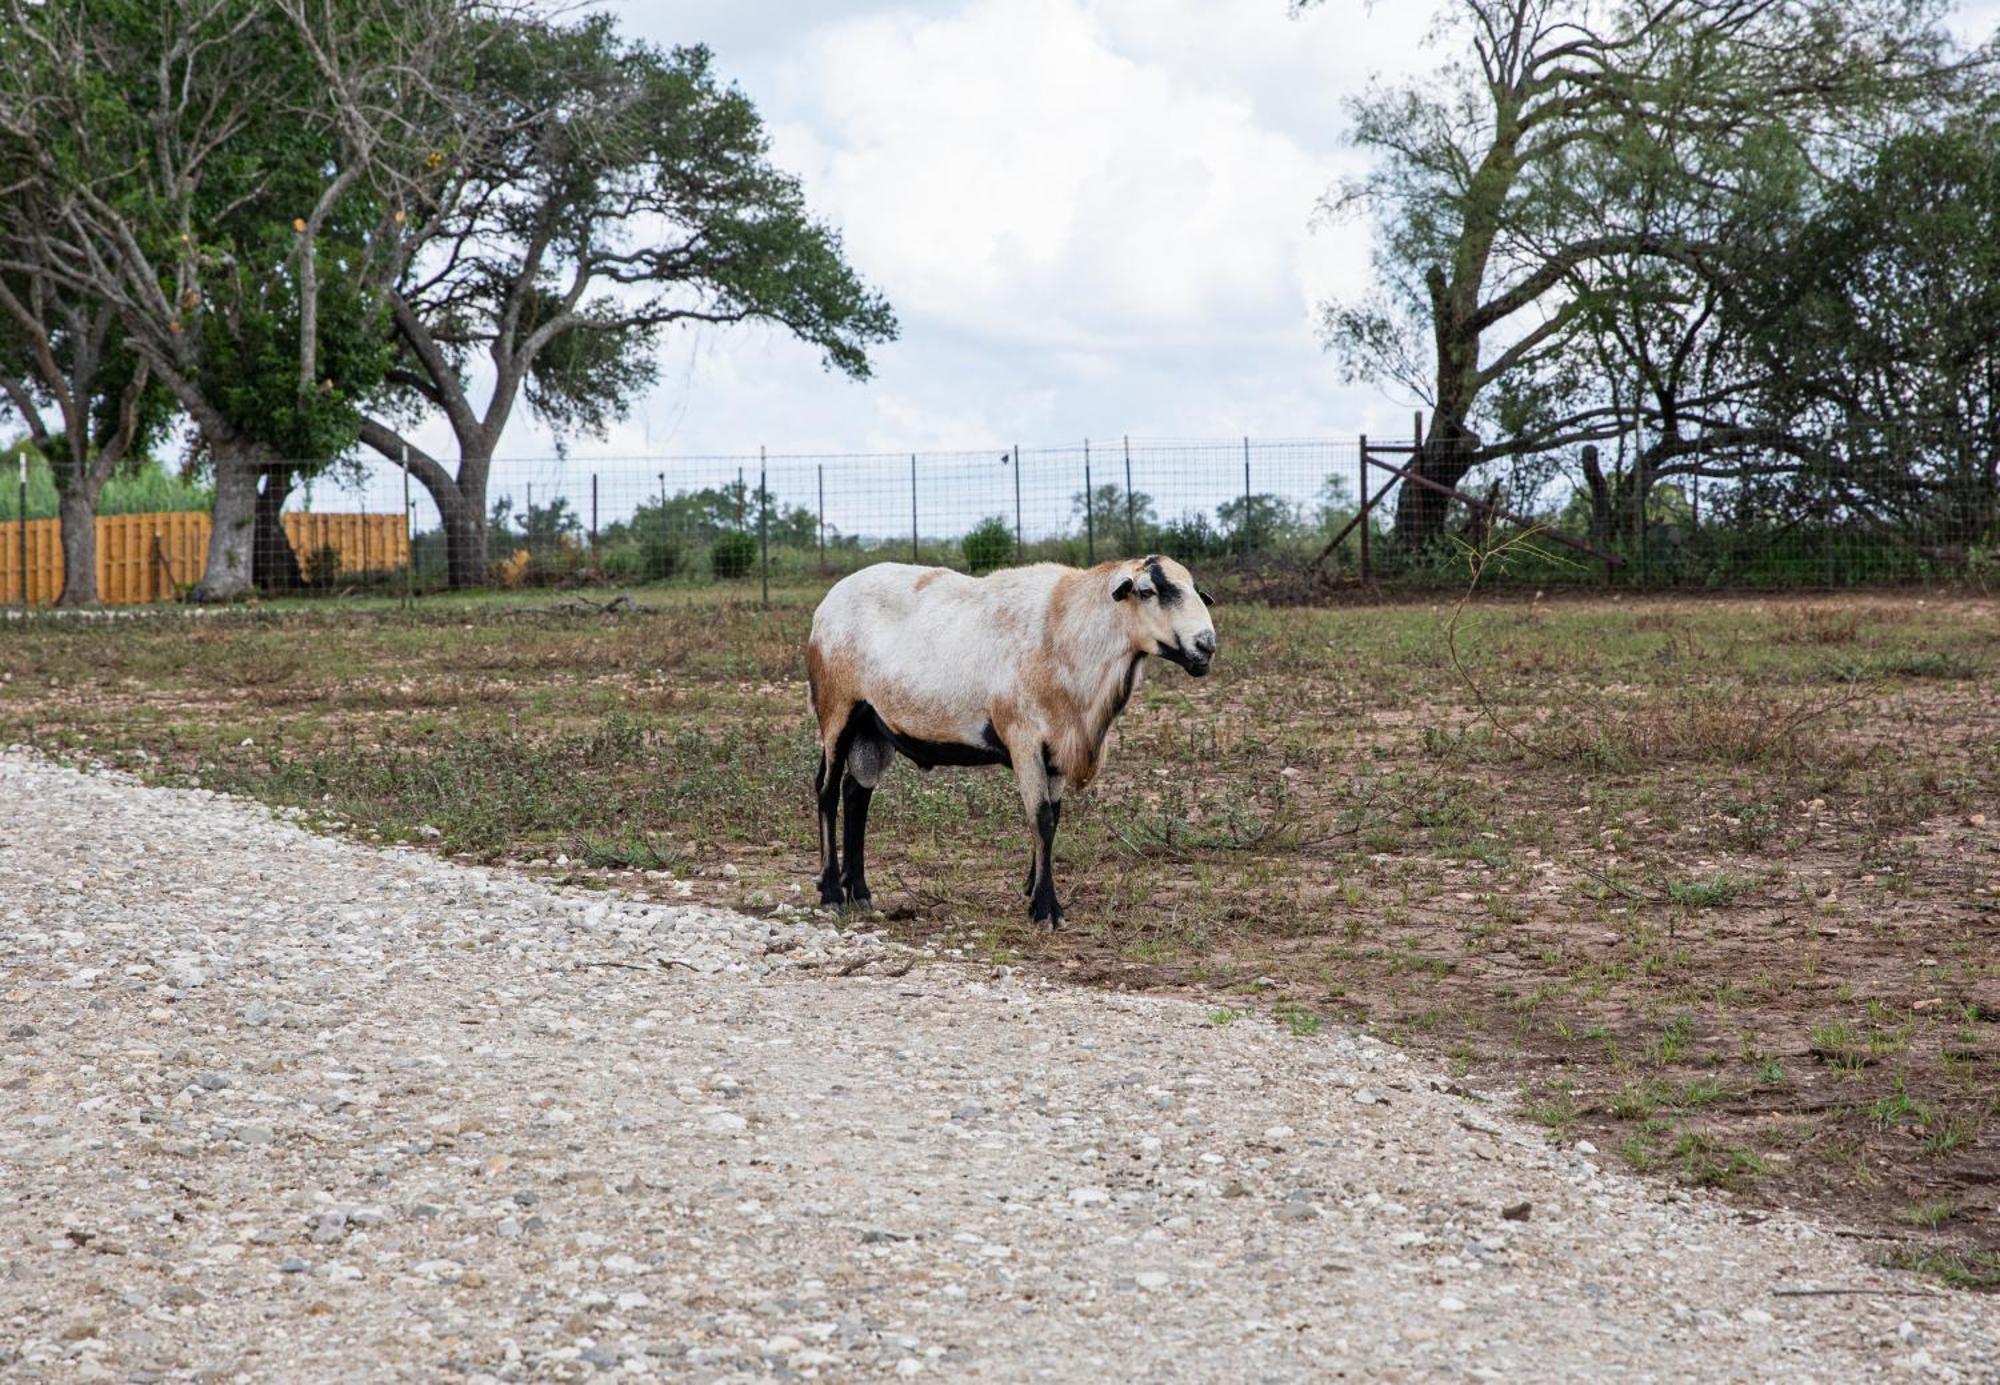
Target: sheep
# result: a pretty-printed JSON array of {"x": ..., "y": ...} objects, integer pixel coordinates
[{"x": 1027, "y": 667}]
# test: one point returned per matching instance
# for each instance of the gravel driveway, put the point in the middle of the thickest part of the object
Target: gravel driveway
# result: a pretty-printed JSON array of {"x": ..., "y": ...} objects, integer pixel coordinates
[{"x": 275, "y": 1106}]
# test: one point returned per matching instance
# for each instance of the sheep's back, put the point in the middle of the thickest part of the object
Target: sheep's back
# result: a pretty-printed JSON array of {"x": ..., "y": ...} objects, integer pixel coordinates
[{"x": 930, "y": 635}]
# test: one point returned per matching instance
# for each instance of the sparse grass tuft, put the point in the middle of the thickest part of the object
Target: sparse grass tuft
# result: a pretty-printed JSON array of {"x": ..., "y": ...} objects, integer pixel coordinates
[
  {"x": 1838, "y": 1043},
  {"x": 1962, "y": 1269},
  {"x": 1929, "y": 1215},
  {"x": 1714, "y": 892},
  {"x": 1302, "y": 1022}
]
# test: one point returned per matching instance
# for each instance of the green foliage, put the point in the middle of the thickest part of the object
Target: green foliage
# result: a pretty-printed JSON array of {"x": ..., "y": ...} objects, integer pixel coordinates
[
  {"x": 733, "y": 555},
  {"x": 1876, "y": 316},
  {"x": 660, "y": 554},
  {"x": 989, "y": 545},
  {"x": 1122, "y": 522},
  {"x": 643, "y": 176},
  {"x": 143, "y": 488},
  {"x": 1256, "y": 523},
  {"x": 1573, "y": 202},
  {"x": 1192, "y": 537},
  {"x": 538, "y": 528}
]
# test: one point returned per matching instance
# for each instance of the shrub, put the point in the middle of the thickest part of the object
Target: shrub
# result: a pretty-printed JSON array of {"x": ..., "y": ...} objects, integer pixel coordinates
[
  {"x": 660, "y": 555},
  {"x": 989, "y": 545},
  {"x": 322, "y": 566},
  {"x": 734, "y": 554},
  {"x": 1193, "y": 537}
]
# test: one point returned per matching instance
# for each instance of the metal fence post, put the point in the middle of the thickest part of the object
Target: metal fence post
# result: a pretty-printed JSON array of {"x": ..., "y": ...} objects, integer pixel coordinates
[
  {"x": 593, "y": 519},
  {"x": 1364, "y": 509},
  {"x": 1019, "y": 545},
  {"x": 819, "y": 470},
  {"x": 21, "y": 529},
  {"x": 409, "y": 530},
  {"x": 764, "y": 523},
  {"x": 666, "y": 538},
  {"x": 740, "y": 492},
  {"x": 1089, "y": 508},
  {"x": 913, "y": 509},
  {"x": 1131, "y": 505},
  {"x": 1246, "y": 497}
]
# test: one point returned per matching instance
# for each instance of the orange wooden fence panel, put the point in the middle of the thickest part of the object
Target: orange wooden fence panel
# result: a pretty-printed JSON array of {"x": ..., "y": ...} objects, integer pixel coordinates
[{"x": 156, "y": 557}]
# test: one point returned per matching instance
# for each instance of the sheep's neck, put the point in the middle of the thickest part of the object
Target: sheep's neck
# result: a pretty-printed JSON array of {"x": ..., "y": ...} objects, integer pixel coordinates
[{"x": 1096, "y": 664}]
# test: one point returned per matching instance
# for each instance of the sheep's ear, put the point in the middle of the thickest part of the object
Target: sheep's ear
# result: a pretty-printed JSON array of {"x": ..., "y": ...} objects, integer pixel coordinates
[
  {"x": 1122, "y": 590},
  {"x": 1206, "y": 599}
]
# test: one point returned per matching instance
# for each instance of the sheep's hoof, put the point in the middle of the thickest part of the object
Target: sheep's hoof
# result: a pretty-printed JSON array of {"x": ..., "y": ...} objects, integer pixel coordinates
[
  {"x": 1051, "y": 919},
  {"x": 860, "y": 899}
]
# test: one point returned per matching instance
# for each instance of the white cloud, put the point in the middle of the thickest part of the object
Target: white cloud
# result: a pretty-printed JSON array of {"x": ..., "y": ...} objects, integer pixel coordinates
[{"x": 1007, "y": 171}]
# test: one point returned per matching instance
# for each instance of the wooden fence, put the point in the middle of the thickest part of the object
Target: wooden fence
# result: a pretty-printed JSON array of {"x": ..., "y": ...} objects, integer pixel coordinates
[{"x": 157, "y": 557}]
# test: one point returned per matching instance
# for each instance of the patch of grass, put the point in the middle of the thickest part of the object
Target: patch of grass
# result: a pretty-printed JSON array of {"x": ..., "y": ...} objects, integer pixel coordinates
[
  {"x": 1934, "y": 664},
  {"x": 1953, "y": 1133},
  {"x": 1771, "y": 1073},
  {"x": 1714, "y": 892},
  {"x": 1898, "y": 1109},
  {"x": 1223, "y": 1017},
  {"x": 1702, "y": 1092},
  {"x": 1554, "y": 1107},
  {"x": 1840, "y": 1044},
  {"x": 1929, "y": 1215},
  {"x": 1638, "y": 1100},
  {"x": 1705, "y": 1163},
  {"x": 1671, "y": 1042},
  {"x": 1962, "y": 1269},
  {"x": 1302, "y": 1022}
]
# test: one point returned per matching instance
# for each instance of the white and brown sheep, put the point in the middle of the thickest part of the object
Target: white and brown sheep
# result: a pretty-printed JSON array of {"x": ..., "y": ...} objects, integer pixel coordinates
[{"x": 1026, "y": 667}]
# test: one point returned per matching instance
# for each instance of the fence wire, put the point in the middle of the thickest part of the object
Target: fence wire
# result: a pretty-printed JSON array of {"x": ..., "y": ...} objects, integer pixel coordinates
[{"x": 1758, "y": 517}]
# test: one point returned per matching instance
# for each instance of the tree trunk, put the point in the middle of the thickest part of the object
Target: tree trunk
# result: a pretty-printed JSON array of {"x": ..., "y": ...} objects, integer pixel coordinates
[
  {"x": 274, "y": 565},
  {"x": 463, "y": 511},
  {"x": 1600, "y": 497},
  {"x": 1449, "y": 453},
  {"x": 79, "y": 546},
  {"x": 232, "y": 533}
]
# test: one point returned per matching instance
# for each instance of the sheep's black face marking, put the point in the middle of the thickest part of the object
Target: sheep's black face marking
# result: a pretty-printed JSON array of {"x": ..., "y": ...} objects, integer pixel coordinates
[
  {"x": 1164, "y": 586},
  {"x": 1122, "y": 590}
]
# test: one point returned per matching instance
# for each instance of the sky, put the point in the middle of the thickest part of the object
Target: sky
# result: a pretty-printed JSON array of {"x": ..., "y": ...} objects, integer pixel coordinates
[{"x": 1092, "y": 218}]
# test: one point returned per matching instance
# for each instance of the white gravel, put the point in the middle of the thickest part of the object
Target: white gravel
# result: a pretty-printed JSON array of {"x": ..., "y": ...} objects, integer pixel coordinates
[{"x": 280, "y": 1107}]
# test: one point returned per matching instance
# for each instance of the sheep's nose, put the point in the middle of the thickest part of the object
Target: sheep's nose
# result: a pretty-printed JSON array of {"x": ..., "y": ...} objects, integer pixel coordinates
[{"x": 1205, "y": 644}]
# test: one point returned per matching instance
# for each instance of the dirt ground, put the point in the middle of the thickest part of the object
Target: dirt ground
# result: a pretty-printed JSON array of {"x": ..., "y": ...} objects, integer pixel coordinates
[{"x": 1715, "y": 882}]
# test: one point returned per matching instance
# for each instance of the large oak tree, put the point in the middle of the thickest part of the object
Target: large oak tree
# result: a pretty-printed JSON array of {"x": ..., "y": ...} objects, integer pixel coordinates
[{"x": 616, "y": 191}]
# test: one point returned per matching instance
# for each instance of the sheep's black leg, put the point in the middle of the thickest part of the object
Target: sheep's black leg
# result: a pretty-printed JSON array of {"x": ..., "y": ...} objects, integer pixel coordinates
[
  {"x": 855, "y": 796},
  {"x": 826, "y": 790},
  {"x": 1043, "y": 906}
]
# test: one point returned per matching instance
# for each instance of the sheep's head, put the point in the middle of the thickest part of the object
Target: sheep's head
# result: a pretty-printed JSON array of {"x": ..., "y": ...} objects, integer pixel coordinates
[{"x": 1166, "y": 613}]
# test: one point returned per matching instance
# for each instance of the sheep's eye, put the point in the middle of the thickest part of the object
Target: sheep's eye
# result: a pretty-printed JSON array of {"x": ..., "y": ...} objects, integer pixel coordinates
[{"x": 1146, "y": 593}]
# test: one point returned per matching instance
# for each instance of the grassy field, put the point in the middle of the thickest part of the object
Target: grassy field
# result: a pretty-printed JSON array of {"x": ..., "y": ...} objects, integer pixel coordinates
[{"x": 1716, "y": 883}]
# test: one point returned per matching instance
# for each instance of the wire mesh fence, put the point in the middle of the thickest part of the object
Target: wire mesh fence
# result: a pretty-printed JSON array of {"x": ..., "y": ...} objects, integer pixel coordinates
[{"x": 1756, "y": 517}]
